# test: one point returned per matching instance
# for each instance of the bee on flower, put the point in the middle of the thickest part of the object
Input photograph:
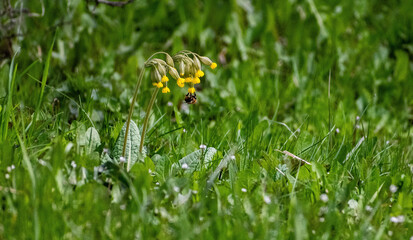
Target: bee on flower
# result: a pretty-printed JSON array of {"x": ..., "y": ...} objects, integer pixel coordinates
[{"x": 190, "y": 71}]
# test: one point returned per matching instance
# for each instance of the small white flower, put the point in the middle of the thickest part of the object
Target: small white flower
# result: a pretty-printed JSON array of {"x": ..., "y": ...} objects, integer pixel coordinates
[
  {"x": 337, "y": 130},
  {"x": 353, "y": 204},
  {"x": 387, "y": 142},
  {"x": 185, "y": 166},
  {"x": 313, "y": 231},
  {"x": 398, "y": 219},
  {"x": 157, "y": 183},
  {"x": 122, "y": 159},
  {"x": 194, "y": 191},
  {"x": 73, "y": 164},
  {"x": 8, "y": 169},
  {"x": 322, "y": 219},
  {"x": 390, "y": 233},
  {"x": 267, "y": 199},
  {"x": 324, "y": 197},
  {"x": 176, "y": 189},
  {"x": 393, "y": 188},
  {"x": 243, "y": 190},
  {"x": 170, "y": 104},
  {"x": 184, "y": 130},
  {"x": 358, "y": 126},
  {"x": 369, "y": 208},
  {"x": 106, "y": 150},
  {"x": 411, "y": 238},
  {"x": 202, "y": 146},
  {"x": 7, "y": 176},
  {"x": 232, "y": 157},
  {"x": 357, "y": 118},
  {"x": 12, "y": 167}
]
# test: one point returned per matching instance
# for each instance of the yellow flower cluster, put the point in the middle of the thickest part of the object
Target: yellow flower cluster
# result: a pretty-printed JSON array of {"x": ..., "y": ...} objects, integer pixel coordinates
[{"x": 189, "y": 70}]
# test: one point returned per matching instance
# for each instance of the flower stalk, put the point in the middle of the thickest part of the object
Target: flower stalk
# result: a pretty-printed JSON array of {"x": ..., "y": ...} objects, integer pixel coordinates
[
  {"x": 135, "y": 95},
  {"x": 190, "y": 72},
  {"x": 145, "y": 122}
]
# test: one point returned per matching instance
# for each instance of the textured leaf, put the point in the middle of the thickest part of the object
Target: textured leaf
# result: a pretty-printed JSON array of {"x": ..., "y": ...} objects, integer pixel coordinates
[
  {"x": 105, "y": 158},
  {"x": 92, "y": 139},
  {"x": 194, "y": 159},
  {"x": 132, "y": 145}
]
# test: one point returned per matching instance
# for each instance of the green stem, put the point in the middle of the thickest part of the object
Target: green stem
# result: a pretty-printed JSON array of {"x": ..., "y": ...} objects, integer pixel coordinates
[
  {"x": 135, "y": 95},
  {"x": 145, "y": 123}
]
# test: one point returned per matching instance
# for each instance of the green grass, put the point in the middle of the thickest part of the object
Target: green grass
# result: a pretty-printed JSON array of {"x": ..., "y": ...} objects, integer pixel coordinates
[{"x": 330, "y": 82}]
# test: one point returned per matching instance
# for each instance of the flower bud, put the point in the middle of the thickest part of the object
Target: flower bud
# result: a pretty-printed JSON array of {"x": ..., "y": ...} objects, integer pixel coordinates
[
  {"x": 169, "y": 60},
  {"x": 205, "y": 60},
  {"x": 161, "y": 69},
  {"x": 156, "y": 76},
  {"x": 182, "y": 68},
  {"x": 197, "y": 63},
  {"x": 174, "y": 73}
]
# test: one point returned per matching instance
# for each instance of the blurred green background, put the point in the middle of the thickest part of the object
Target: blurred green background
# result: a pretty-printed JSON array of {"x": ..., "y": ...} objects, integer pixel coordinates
[
  {"x": 312, "y": 66},
  {"x": 267, "y": 51}
]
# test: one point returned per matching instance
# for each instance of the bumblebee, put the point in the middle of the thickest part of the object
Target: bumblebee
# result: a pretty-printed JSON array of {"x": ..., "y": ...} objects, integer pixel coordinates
[{"x": 190, "y": 98}]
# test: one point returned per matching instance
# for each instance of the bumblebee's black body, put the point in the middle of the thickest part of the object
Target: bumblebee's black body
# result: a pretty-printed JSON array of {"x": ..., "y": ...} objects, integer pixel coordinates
[{"x": 190, "y": 98}]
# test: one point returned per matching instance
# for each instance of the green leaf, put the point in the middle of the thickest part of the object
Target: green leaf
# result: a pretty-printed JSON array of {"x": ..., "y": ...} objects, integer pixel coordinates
[
  {"x": 105, "y": 158},
  {"x": 197, "y": 159},
  {"x": 89, "y": 139},
  {"x": 44, "y": 80},
  {"x": 92, "y": 139},
  {"x": 132, "y": 145},
  {"x": 402, "y": 65}
]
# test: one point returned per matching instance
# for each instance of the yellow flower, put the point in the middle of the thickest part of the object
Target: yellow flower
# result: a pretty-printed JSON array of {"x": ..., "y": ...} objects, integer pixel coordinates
[
  {"x": 196, "y": 80},
  {"x": 158, "y": 85},
  {"x": 165, "y": 78},
  {"x": 165, "y": 90},
  {"x": 213, "y": 65},
  {"x": 188, "y": 79},
  {"x": 199, "y": 73},
  {"x": 191, "y": 90},
  {"x": 180, "y": 82}
]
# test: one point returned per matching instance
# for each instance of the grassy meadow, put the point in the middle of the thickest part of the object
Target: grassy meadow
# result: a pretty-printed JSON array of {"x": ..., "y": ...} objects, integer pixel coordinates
[{"x": 304, "y": 130}]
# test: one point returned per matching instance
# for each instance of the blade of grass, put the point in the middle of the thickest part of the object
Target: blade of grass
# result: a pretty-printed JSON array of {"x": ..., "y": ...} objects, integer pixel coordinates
[
  {"x": 7, "y": 112},
  {"x": 29, "y": 168},
  {"x": 44, "y": 80}
]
